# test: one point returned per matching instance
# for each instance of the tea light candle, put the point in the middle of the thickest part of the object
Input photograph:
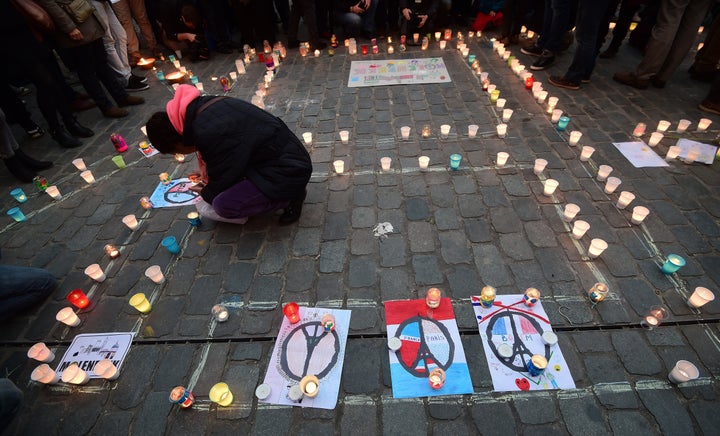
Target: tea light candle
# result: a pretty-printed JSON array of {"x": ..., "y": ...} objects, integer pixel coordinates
[
  {"x": 549, "y": 186},
  {"x": 437, "y": 378},
  {"x": 700, "y": 297},
  {"x": 390, "y": 49},
  {"x": 130, "y": 221},
  {"x": 385, "y": 163},
  {"x": 654, "y": 317},
  {"x": 505, "y": 350},
  {"x": 549, "y": 338},
  {"x": 394, "y": 343},
  {"x": 472, "y": 130},
  {"x": 307, "y": 137},
  {"x": 180, "y": 157},
  {"x": 54, "y": 192},
  {"x": 597, "y": 246},
  {"x": 626, "y": 197},
  {"x": 263, "y": 391},
  {"x": 140, "y": 302},
  {"x": 220, "y": 313},
  {"x": 292, "y": 312},
  {"x": 220, "y": 394},
  {"x": 155, "y": 274},
  {"x": 328, "y": 322},
  {"x": 317, "y": 53},
  {"x": 45, "y": 375},
  {"x": 112, "y": 251},
  {"x": 531, "y": 297},
  {"x": 501, "y": 130},
  {"x": 339, "y": 166},
  {"x": 444, "y": 131},
  {"x": 703, "y": 124},
  {"x": 295, "y": 394},
  {"x": 95, "y": 272},
  {"x": 586, "y": 153},
  {"x": 603, "y": 172},
  {"x": 539, "y": 166},
  {"x": 77, "y": 298},
  {"x": 310, "y": 386},
  {"x": 529, "y": 80},
  {"x": 487, "y": 296},
  {"x": 165, "y": 178},
  {"x": 542, "y": 95},
  {"x": 68, "y": 317},
  {"x": 579, "y": 229},
  {"x": 405, "y": 132},
  {"x": 507, "y": 113},
  {"x": 41, "y": 353},
  {"x": 672, "y": 153},
  {"x": 455, "y": 160},
  {"x": 612, "y": 184},
  {"x": 182, "y": 396},
  {"x": 570, "y": 212},
  {"x": 145, "y": 203},
  {"x": 673, "y": 263},
  {"x": 501, "y": 158},
  {"x": 683, "y": 125},
  {"x": 556, "y": 114},
  {"x": 79, "y": 164},
  {"x": 433, "y": 298},
  {"x": 423, "y": 162},
  {"x": 655, "y": 138},
  {"x": 598, "y": 292},
  {"x": 491, "y": 88},
  {"x": 662, "y": 126},
  {"x": 106, "y": 369},
  {"x": 639, "y": 213},
  {"x": 574, "y": 137},
  {"x": 74, "y": 375},
  {"x": 87, "y": 176},
  {"x": 691, "y": 156}
]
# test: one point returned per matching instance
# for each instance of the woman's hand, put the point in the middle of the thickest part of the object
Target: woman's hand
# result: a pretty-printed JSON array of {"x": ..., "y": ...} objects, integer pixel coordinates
[
  {"x": 197, "y": 188},
  {"x": 76, "y": 34}
]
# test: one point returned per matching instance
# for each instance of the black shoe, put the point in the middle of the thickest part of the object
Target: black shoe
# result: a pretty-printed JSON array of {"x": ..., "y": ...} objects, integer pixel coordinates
[
  {"x": 138, "y": 79},
  {"x": 134, "y": 86},
  {"x": 19, "y": 170},
  {"x": 533, "y": 50},
  {"x": 562, "y": 82},
  {"x": 33, "y": 130},
  {"x": 31, "y": 162},
  {"x": 62, "y": 137},
  {"x": 546, "y": 59},
  {"x": 293, "y": 211},
  {"x": 77, "y": 129}
]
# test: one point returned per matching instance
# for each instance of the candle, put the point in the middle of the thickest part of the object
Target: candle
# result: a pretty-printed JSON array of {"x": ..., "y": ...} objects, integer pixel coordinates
[
  {"x": 41, "y": 353},
  {"x": 542, "y": 95},
  {"x": 443, "y": 44},
  {"x": 683, "y": 371},
  {"x": 505, "y": 350},
  {"x": 220, "y": 313},
  {"x": 500, "y": 103},
  {"x": 437, "y": 378},
  {"x": 444, "y": 131},
  {"x": 552, "y": 102},
  {"x": 292, "y": 312},
  {"x": 501, "y": 158},
  {"x": 655, "y": 138},
  {"x": 639, "y": 130},
  {"x": 170, "y": 243},
  {"x": 501, "y": 130},
  {"x": 394, "y": 343},
  {"x": 405, "y": 132},
  {"x": 155, "y": 274},
  {"x": 612, "y": 184},
  {"x": 556, "y": 114},
  {"x": 691, "y": 156},
  {"x": 472, "y": 130},
  {"x": 87, "y": 176},
  {"x": 574, "y": 137},
  {"x": 317, "y": 52},
  {"x": 549, "y": 186},
  {"x": 536, "y": 365},
  {"x": 672, "y": 153},
  {"x": 176, "y": 64},
  {"x": 310, "y": 386},
  {"x": 112, "y": 251},
  {"x": 654, "y": 317},
  {"x": 68, "y": 317},
  {"x": 176, "y": 77},
  {"x": 194, "y": 219},
  {"x": 626, "y": 197},
  {"x": 140, "y": 302},
  {"x": 586, "y": 153},
  {"x": 662, "y": 126},
  {"x": 494, "y": 95},
  {"x": 95, "y": 272},
  {"x": 700, "y": 297},
  {"x": 54, "y": 192},
  {"x": 44, "y": 374},
  {"x": 220, "y": 394},
  {"x": 423, "y": 162},
  {"x": 603, "y": 172},
  {"x": 78, "y": 299},
  {"x": 328, "y": 322},
  {"x": 529, "y": 80},
  {"x": 339, "y": 166},
  {"x": 390, "y": 49},
  {"x": 455, "y": 159},
  {"x": 487, "y": 296},
  {"x": 549, "y": 338},
  {"x": 598, "y": 292},
  {"x": 19, "y": 195},
  {"x": 295, "y": 394},
  {"x": 579, "y": 229},
  {"x": 433, "y": 298},
  {"x": 240, "y": 66},
  {"x": 507, "y": 113},
  {"x": 106, "y": 369},
  {"x": 74, "y": 375},
  {"x": 263, "y": 391},
  {"x": 683, "y": 125},
  {"x": 491, "y": 88},
  {"x": 165, "y": 178},
  {"x": 385, "y": 163},
  {"x": 673, "y": 263},
  {"x": 182, "y": 396},
  {"x": 344, "y": 136},
  {"x": 130, "y": 221},
  {"x": 597, "y": 246},
  {"x": 531, "y": 297},
  {"x": 703, "y": 124},
  {"x": 79, "y": 164},
  {"x": 563, "y": 123},
  {"x": 364, "y": 49},
  {"x": 307, "y": 137},
  {"x": 539, "y": 166},
  {"x": 571, "y": 210},
  {"x": 639, "y": 214}
]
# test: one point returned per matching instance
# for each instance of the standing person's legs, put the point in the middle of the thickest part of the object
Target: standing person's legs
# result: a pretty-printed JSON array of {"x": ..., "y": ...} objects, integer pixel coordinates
[
  {"x": 115, "y": 41},
  {"x": 628, "y": 8},
  {"x": 296, "y": 11},
  {"x": 243, "y": 200},
  {"x": 23, "y": 287},
  {"x": 139, "y": 12},
  {"x": 662, "y": 37},
  {"x": 124, "y": 15},
  {"x": 561, "y": 11},
  {"x": 262, "y": 20},
  {"x": 8, "y": 143},
  {"x": 587, "y": 27},
  {"x": 368, "y": 18},
  {"x": 350, "y": 23},
  {"x": 98, "y": 59},
  {"x": 707, "y": 58},
  {"x": 10, "y": 399},
  {"x": 310, "y": 19},
  {"x": 283, "y": 9}
]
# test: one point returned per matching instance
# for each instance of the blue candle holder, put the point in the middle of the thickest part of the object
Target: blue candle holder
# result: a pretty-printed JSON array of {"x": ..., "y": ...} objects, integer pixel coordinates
[
  {"x": 170, "y": 243},
  {"x": 672, "y": 264},
  {"x": 19, "y": 195},
  {"x": 160, "y": 75},
  {"x": 563, "y": 123},
  {"x": 455, "y": 161},
  {"x": 194, "y": 219}
]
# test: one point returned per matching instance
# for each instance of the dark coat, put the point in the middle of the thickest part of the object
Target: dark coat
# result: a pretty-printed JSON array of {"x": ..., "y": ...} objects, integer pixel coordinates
[
  {"x": 238, "y": 140},
  {"x": 425, "y": 7},
  {"x": 92, "y": 29}
]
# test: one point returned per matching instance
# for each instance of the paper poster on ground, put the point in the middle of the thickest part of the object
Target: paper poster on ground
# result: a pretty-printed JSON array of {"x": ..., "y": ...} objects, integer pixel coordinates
[
  {"x": 86, "y": 350},
  {"x": 509, "y": 321},
  {"x": 706, "y": 152},
  {"x": 305, "y": 348},
  {"x": 176, "y": 193},
  {"x": 397, "y": 72},
  {"x": 430, "y": 339},
  {"x": 640, "y": 154}
]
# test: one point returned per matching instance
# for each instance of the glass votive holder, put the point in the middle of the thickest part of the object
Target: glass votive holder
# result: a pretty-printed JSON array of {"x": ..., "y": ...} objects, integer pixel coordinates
[
  {"x": 179, "y": 157},
  {"x": 54, "y": 192},
  {"x": 574, "y": 137},
  {"x": 703, "y": 124},
  {"x": 77, "y": 298},
  {"x": 433, "y": 297},
  {"x": 501, "y": 158},
  {"x": 68, "y": 317},
  {"x": 579, "y": 229},
  {"x": 95, "y": 272},
  {"x": 597, "y": 246},
  {"x": 673, "y": 263},
  {"x": 220, "y": 313},
  {"x": 194, "y": 219},
  {"x": 292, "y": 312},
  {"x": 563, "y": 123},
  {"x": 344, "y": 136},
  {"x": 112, "y": 251},
  {"x": 19, "y": 195},
  {"x": 106, "y": 369},
  {"x": 626, "y": 197},
  {"x": 683, "y": 125},
  {"x": 662, "y": 126},
  {"x": 436, "y": 378},
  {"x": 423, "y": 162},
  {"x": 444, "y": 131},
  {"x": 425, "y": 131},
  {"x": 494, "y": 95},
  {"x": 655, "y": 138},
  {"x": 87, "y": 176},
  {"x": 74, "y": 375},
  {"x": 549, "y": 186},
  {"x": 16, "y": 214},
  {"x": 455, "y": 159},
  {"x": 307, "y": 138},
  {"x": 79, "y": 164},
  {"x": 683, "y": 371},
  {"x": 339, "y": 166},
  {"x": 155, "y": 274},
  {"x": 385, "y": 163},
  {"x": 130, "y": 221},
  {"x": 140, "y": 302},
  {"x": 45, "y": 375},
  {"x": 612, "y": 184},
  {"x": 570, "y": 212},
  {"x": 598, "y": 292},
  {"x": 171, "y": 244},
  {"x": 639, "y": 213},
  {"x": 506, "y": 115},
  {"x": 200, "y": 87},
  {"x": 501, "y": 130},
  {"x": 539, "y": 166},
  {"x": 586, "y": 153},
  {"x": 41, "y": 353},
  {"x": 405, "y": 132},
  {"x": 556, "y": 114},
  {"x": 603, "y": 172},
  {"x": 700, "y": 297},
  {"x": 500, "y": 103},
  {"x": 472, "y": 130},
  {"x": 654, "y": 317},
  {"x": 691, "y": 156}
]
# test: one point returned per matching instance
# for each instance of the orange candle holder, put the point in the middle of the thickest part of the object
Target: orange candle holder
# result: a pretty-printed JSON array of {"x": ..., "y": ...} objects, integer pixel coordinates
[
  {"x": 78, "y": 299},
  {"x": 433, "y": 298},
  {"x": 292, "y": 312},
  {"x": 436, "y": 378}
]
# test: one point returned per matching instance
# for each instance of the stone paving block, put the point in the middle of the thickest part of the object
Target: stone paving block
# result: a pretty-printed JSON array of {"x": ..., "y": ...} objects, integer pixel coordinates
[
  {"x": 394, "y": 284},
  {"x": 332, "y": 256},
  {"x": 537, "y": 410},
  {"x": 203, "y": 293},
  {"x": 363, "y": 318},
  {"x": 362, "y": 272},
  {"x": 314, "y": 427},
  {"x": 630, "y": 422},
  {"x": 464, "y": 282},
  {"x": 339, "y": 201},
  {"x": 442, "y": 195},
  {"x": 86, "y": 411},
  {"x": 668, "y": 213},
  {"x": 477, "y": 363},
  {"x": 494, "y": 418},
  {"x": 312, "y": 215},
  {"x": 470, "y": 206},
  {"x": 505, "y": 220},
  {"x": 639, "y": 294},
  {"x": 427, "y": 269},
  {"x": 248, "y": 246},
  {"x": 457, "y": 426},
  {"x": 363, "y": 242},
  {"x": 256, "y": 322},
  {"x": 336, "y": 226},
  {"x": 306, "y": 242},
  {"x": 553, "y": 267},
  {"x": 446, "y": 219},
  {"x": 604, "y": 368},
  {"x": 669, "y": 413},
  {"x": 329, "y": 287},
  {"x": 454, "y": 248},
  {"x": 151, "y": 418},
  {"x": 679, "y": 197},
  {"x": 403, "y": 418},
  {"x": 360, "y": 376},
  {"x": 703, "y": 340},
  {"x": 419, "y": 233},
  {"x": 359, "y": 419},
  {"x": 515, "y": 186},
  {"x": 582, "y": 416},
  {"x": 414, "y": 186},
  {"x": 364, "y": 217},
  {"x": 477, "y": 230},
  {"x": 392, "y": 251},
  {"x": 300, "y": 275},
  {"x": 242, "y": 379},
  {"x": 185, "y": 423},
  {"x": 636, "y": 355},
  {"x": 706, "y": 415},
  {"x": 109, "y": 423},
  {"x": 592, "y": 342},
  {"x": 238, "y": 277},
  {"x": 173, "y": 367},
  {"x": 417, "y": 209},
  {"x": 490, "y": 266},
  {"x": 138, "y": 368},
  {"x": 273, "y": 258},
  {"x": 464, "y": 184}
]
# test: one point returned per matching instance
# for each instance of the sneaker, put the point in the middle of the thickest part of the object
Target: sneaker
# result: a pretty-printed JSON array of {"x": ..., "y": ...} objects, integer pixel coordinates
[
  {"x": 66, "y": 140},
  {"x": 115, "y": 112},
  {"x": 708, "y": 106},
  {"x": 138, "y": 79},
  {"x": 562, "y": 82},
  {"x": 546, "y": 59},
  {"x": 629, "y": 78},
  {"x": 293, "y": 211},
  {"x": 532, "y": 50},
  {"x": 34, "y": 131},
  {"x": 131, "y": 100},
  {"x": 134, "y": 86}
]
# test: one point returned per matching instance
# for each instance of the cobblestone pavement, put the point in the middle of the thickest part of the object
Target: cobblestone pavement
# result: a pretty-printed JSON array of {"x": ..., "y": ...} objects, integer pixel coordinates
[{"x": 454, "y": 230}]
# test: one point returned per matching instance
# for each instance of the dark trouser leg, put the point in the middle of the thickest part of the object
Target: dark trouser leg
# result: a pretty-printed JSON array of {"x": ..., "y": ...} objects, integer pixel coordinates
[
  {"x": 23, "y": 287},
  {"x": 10, "y": 400},
  {"x": 106, "y": 75},
  {"x": 244, "y": 199},
  {"x": 628, "y": 8},
  {"x": 586, "y": 36},
  {"x": 12, "y": 105},
  {"x": 82, "y": 58}
]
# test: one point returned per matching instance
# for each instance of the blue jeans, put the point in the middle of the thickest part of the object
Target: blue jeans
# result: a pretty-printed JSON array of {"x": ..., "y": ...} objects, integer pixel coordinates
[
  {"x": 10, "y": 399},
  {"x": 353, "y": 23},
  {"x": 22, "y": 287},
  {"x": 555, "y": 23},
  {"x": 587, "y": 27}
]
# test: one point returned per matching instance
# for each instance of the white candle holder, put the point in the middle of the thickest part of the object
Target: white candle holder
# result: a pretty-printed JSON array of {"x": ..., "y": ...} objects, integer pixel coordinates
[
  {"x": 307, "y": 138},
  {"x": 586, "y": 153},
  {"x": 539, "y": 166},
  {"x": 700, "y": 297},
  {"x": 45, "y": 375},
  {"x": 41, "y": 353},
  {"x": 597, "y": 246},
  {"x": 501, "y": 130},
  {"x": 130, "y": 221},
  {"x": 683, "y": 125},
  {"x": 68, "y": 317},
  {"x": 574, "y": 137},
  {"x": 654, "y": 317},
  {"x": 683, "y": 371},
  {"x": 549, "y": 186},
  {"x": 405, "y": 132},
  {"x": 79, "y": 164},
  {"x": 339, "y": 166},
  {"x": 672, "y": 153},
  {"x": 662, "y": 126},
  {"x": 542, "y": 95},
  {"x": 344, "y": 136},
  {"x": 95, "y": 272},
  {"x": 502, "y": 158},
  {"x": 74, "y": 375},
  {"x": 556, "y": 114},
  {"x": 570, "y": 212},
  {"x": 444, "y": 131},
  {"x": 603, "y": 172},
  {"x": 87, "y": 176},
  {"x": 691, "y": 156},
  {"x": 579, "y": 229},
  {"x": 655, "y": 139},
  {"x": 626, "y": 197},
  {"x": 612, "y": 184},
  {"x": 155, "y": 274},
  {"x": 500, "y": 103},
  {"x": 507, "y": 114},
  {"x": 551, "y": 103},
  {"x": 106, "y": 369},
  {"x": 639, "y": 213},
  {"x": 385, "y": 163},
  {"x": 472, "y": 130},
  {"x": 54, "y": 192},
  {"x": 423, "y": 162},
  {"x": 703, "y": 124}
]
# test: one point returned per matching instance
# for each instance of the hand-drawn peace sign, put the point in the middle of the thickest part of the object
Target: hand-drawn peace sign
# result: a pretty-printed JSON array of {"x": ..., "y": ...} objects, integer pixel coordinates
[
  {"x": 518, "y": 346},
  {"x": 426, "y": 344},
  {"x": 309, "y": 349}
]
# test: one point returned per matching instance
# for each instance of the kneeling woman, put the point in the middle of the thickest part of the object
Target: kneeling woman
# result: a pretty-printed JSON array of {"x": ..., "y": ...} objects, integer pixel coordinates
[{"x": 250, "y": 161}]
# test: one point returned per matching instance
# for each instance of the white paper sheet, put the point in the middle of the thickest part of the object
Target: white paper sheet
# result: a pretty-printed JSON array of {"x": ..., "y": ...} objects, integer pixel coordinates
[
  {"x": 640, "y": 154},
  {"x": 707, "y": 152}
]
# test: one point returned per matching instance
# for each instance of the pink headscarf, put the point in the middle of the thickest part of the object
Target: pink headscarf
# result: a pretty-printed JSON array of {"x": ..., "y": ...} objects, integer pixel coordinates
[{"x": 177, "y": 107}]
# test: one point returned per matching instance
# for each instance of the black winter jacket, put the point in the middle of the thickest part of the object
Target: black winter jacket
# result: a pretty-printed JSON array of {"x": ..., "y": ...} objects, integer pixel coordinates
[{"x": 238, "y": 140}]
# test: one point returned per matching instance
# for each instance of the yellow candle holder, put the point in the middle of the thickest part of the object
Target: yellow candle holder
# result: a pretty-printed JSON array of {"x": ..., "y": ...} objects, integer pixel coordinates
[{"x": 220, "y": 394}]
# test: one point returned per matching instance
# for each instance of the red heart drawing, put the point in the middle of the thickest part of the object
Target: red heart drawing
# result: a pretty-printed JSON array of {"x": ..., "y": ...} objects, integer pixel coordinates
[{"x": 523, "y": 384}]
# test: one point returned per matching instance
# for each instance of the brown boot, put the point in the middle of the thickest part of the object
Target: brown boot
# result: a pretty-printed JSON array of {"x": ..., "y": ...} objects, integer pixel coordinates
[
  {"x": 131, "y": 100},
  {"x": 115, "y": 112}
]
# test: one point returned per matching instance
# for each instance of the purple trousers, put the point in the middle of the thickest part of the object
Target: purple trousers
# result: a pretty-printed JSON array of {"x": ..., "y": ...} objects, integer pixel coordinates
[{"x": 244, "y": 199}]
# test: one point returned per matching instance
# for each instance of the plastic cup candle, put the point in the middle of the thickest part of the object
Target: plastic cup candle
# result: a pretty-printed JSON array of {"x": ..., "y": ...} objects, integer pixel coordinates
[
  {"x": 639, "y": 213},
  {"x": 344, "y": 136},
  {"x": 494, "y": 95},
  {"x": 700, "y": 297},
  {"x": 612, "y": 184},
  {"x": 220, "y": 313},
  {"x": 603, "y": 172},
  {"x": 549, "y": 338},
  {"x": 556, "y": 114},
  {"x": 487, "y": 296},
  {"x": 502, "y": 130},
  {"x": 540, "y": 165},
  {"x": 182, "y": 396},
  {"x": 597, "y": 246},
  {"x": 437, "y": 378},
  {"x": 542, "y": 95},
  {"x": 170, "y": 243},
  {"x": 703, "y": 124},
  {"x": 119, "y": 162},
  {"x": 654, "y": 317},
  {"x": 44, "y": 374},
  {"x": 626, "y": 197},
  {"x": 54, "y": 192},
  {"x": 491, "y": 88},
  {"x": 444, "y": 131},
  {"x": 501, "y": 158},
  {"x": 307, "y": 137},
  {"x": 455, "y": 161},
  {"x": 551, "y": 103},
  {"x": 200, "y": 87},
  {"x": 507, "y": 113},
  {"x": 598, "y": 292},
  {"x": 74, "y": 375},
  {"x": 87, "y": 176},
  {"x": 472, "y": 130},
  {"x": 155, "y": 274},
  {"x": 140, "y": 302},
  {"x": 672, "y": 153},
  {"x": 443, "y": 44},
  {"x": 529, "y": 80},
  {"x": 662, "y": 126},
  {"x": 19, "y": 195},
  {"x": 433, "y": 298},
  {"x": 570, "y": 212},
  {"x": 586, "y": 153},
  {"x": 655, "y": 138},
  {"x": 220, "y": 394},
  {"x": 405, "y": 132},
  {"x": 41, "y": 353},
  {"x": 112, "y": 251},
  {"x": 531, "y": 297},
  {"x": 78, "y": 299},
  {"x": 339, "y": 166},
  {"x": 683, "y": 125},
  {"x": 673, "y": 263},
  {"x": 385, "y": 163},
  {"x": 549, "y": 186},
  {"x": 106, "y": 369},
  {"x": 130, "y": 221},
  {"x": 292, "y": 312},
  {"x": 68, "y": 317},
  {"x": 536, "y": 365},
  {"x": 579, "y": 229},
  {"x": 79, "y": 164},
  {"x": 500, "y": 103},
  {"x": 95, "y": 272},
  {"x": 691, "y": 156},
  {"x": 563, "y": 123},
  {"x": 16, "y": 214},
  {"x": 574, "y": 137},
  {"x": 683, "y": 371}
]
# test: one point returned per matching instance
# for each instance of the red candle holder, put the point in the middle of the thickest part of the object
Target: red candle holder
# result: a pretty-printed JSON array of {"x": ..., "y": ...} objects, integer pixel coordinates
[
  {"x": 529, "y": 80},
  {"x": 364, "y": 49},
  {"x": 78, "y": 299},
  {"x": 292, "y": 312}
]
